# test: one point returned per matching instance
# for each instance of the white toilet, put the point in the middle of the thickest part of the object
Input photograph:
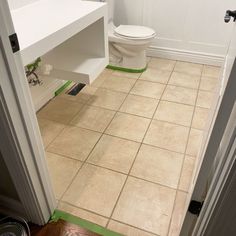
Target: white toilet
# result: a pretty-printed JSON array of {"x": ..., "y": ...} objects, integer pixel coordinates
[{"x": 128, "y": 44}]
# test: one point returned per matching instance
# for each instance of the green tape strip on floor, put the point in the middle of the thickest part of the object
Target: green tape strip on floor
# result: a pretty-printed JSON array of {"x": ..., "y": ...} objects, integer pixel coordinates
[
  {"x": 64, "y": 86},
  {"x": 60, "y": 215},
  {"x": 126, "y": 69}
]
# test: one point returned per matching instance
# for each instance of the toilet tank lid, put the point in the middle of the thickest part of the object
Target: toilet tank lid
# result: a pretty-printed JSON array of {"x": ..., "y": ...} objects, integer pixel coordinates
[{"x": 134, "y": 31}]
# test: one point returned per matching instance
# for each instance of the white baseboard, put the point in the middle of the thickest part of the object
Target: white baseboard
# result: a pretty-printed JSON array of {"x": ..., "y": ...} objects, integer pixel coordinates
[{"x": 190, "y": 56}]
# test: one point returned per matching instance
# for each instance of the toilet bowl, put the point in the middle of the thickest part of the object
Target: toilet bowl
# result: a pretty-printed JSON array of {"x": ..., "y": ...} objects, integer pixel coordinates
[{"x": 128, "y": 44}]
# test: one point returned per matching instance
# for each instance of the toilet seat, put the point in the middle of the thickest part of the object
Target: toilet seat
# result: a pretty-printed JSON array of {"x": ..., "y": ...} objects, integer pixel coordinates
[{"x": 134, "y": 32}]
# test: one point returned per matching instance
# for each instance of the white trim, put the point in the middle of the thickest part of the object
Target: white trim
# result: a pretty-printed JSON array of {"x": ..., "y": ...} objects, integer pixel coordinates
[{"x": 189, "y": 56}]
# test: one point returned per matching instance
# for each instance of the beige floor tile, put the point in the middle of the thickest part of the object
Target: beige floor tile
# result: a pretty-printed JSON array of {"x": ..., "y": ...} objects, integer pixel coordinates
[
  {"x": 49, "y": 130},
  {"x": 83, "y": 214},
  {"x": 140, "y": 106},
  {"x": 169, "y": 136},
  {"x": 194, "y": 142},
  {"x": 93, "y": 118},
  {"x": 200, "y": 118},
  {"x": 117, "y": 83},
  {"x": 205, "y": 99},
  {"x": 162, "y": 64},
  {"x": 209, "y": 84},
  {"x": 128, "y": 126},
  {"x": 180, "y": 95},
  {"x": 60, "y": 110},
  {"x": 154, "y": 75},
  {"x": 127, "y": 74},
  {"x": 83, "y": 96},
  {"x": 185, "y": 80},
  {"x": 75, "y": 143},
  {"x": 188, "y": 68},
  {"x": 114, "y": 153},
  {"x": 211, "y": 71},
  {"x": 187, "y": 173},
  {"x": 62, "y": 171},
  {"x": 148, "y": 89},
  {"x": 178, "y": 214},
  {"x": 95, "y": 189},
  {"x": 107, "y": 99},
  {"x": 101, "y": 78},
  {"x": 158, "y": 165},
  {"x": 145, "y": 205},
  {"x": 175, "y": 113},
  {"x": 126, "y": 230}
]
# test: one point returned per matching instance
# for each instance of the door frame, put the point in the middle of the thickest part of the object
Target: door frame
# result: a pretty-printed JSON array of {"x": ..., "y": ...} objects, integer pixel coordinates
[
  {"x": 22, "y": 145},
  {"x": 193, "y": 223}
]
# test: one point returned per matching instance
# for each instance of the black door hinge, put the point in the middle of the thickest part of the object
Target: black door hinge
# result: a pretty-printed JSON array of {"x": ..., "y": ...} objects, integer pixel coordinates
[
  {"x": 14, "y": 43},
  {"x": 195, "y": 207}
]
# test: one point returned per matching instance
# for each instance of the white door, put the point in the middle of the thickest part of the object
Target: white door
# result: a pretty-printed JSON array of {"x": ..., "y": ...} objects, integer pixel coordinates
[
  {"x": 20, "y": 139},
  {"x": 208, "y": 173}
]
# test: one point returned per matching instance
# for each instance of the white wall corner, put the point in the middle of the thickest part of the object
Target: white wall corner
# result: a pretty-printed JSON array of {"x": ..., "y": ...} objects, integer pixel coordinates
[{"x": 189, "y": 56}]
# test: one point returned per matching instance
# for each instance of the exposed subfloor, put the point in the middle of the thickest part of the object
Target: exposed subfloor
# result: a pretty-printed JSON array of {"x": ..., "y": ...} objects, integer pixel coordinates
[{"x": 122, "y": 152}]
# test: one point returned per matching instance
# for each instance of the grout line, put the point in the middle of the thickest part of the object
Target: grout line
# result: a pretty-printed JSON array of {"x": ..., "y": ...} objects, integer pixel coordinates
[{"x": 185, "y": 154}]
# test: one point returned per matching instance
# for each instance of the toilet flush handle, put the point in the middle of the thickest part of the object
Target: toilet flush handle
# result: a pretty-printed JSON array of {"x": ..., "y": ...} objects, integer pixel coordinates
[{"x": 228, "y": 16}]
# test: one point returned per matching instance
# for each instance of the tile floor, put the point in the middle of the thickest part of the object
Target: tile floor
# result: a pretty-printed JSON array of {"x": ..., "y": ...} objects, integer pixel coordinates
[{"x": 122, "y": 152}]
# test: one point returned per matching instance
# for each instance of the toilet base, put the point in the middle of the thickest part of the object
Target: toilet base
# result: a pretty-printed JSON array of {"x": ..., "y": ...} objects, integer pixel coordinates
[{"x": 137, "y": 63}]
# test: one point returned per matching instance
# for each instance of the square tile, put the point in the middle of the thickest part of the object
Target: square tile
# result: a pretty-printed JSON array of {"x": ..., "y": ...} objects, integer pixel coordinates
[
  {"x": 200, "y": 118},
  {"x": 205, "y": 99},
  {"x": 187, "y": 174},
  {"x": 62, "y": 171},
  {"x": 83, "y": 214},
  {"x": 162, "y": 64},
  {"x": 75, "y": 143},
  {"x": 180, "y": 95},
  {"x": 101, "y": 78},
  {"x": 128, "y": 127},
  {"x": 120, "y": 84},
  {"x": 49, "y": 130},
  {"x": 158, "y": 165},
  {"x": 83, "y": 96},
  {"x": 140, "y": 106},
  {"x": 188, "y": 68},
  {"x": 194, "y": 142},
  {"x": 114, "y": 153},
  {"x": 185, "y": 80},
  {"x": 211, "y": 71},
  {"x": 93, "y": 118},
  {"x": 126, "y": 229},
  {"x": 148, "y": 89},
  {"x": 209, "y": 84},
  {"x": 155, "y": 204},
  {"x": 126, "y": 74},
  {"x": 95, "y": 189},
  {"x": 174, "y": 112},
  {"x": 169, "y": 136},
  {"x": 178, "y": 214},
  {"x": 60, "y": 110},
  {"x": 107, "y": 99},
  {"x": 154, "y": 75}
]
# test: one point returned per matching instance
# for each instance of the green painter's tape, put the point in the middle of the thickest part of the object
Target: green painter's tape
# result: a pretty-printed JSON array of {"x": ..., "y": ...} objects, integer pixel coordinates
[
  {"x": 60, "y": 90},
  {"x": 60, "y": 215},
  {"x": 126, "y": 69}
]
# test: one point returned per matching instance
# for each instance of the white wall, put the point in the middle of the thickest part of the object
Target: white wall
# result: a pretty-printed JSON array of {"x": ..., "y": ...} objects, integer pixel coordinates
[
  {"x": 14, "y": 4},
  {"x": 187, "y": 29}
]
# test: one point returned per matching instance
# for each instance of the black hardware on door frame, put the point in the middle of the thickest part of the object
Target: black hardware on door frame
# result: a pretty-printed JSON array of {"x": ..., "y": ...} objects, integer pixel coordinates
[
  {"x": 230, "y": 14},
  {"x": 14, "y": 43},
  {"x": 195, "y": 207}
]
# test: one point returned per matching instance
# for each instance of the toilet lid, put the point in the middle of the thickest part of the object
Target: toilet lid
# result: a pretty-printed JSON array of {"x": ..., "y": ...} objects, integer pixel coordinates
[{"x": 134, "y": 31}]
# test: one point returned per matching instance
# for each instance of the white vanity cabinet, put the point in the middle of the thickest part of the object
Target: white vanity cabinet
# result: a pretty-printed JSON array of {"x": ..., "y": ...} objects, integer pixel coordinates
[{"x": 70, "y": 35}]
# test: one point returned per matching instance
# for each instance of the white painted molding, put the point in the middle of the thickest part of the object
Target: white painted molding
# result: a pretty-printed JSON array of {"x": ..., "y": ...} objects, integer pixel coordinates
[{"x": 189, "y": 56}]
